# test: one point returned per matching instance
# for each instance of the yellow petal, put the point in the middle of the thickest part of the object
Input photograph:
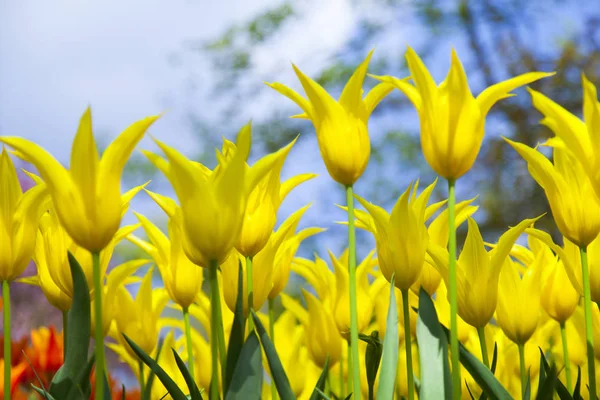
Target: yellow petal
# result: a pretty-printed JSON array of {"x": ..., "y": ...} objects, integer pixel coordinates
[
  {"x": 540, "y": 167},
  {"x": 501, "y": 90},
  {"x": 380, "y": 217},
  {"x": 351, "y": 97},
  {"x": 322, "y": 103},
  {"x": 85, "y": 163},
  {"x": 375, "y": 95},
  {"x": 402, "y": 85},
  {"x": 303, "y": 103},
  {"x": 288, "y": 185},
  {"x": 591, "y": 113},
  {"x": 424, "y": 81},
  {"x": 10, "y": 189},
  {"x": 506, "y": 242},
  {"x": 168, "y": 205}
]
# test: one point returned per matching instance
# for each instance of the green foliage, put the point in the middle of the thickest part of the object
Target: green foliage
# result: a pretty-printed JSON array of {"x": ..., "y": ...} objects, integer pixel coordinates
[
  {"x": 389, "y": 363},
  {"x": 236, "y": 337},
  {"x": 189, "y": 380},
  {"x": 436, "y": 382},
  {"x": 277, "y": 372},
  {"x": 372, "y": 358},
  {"x": 320, "y": 386},
  {"x": 246, "y": 382}
]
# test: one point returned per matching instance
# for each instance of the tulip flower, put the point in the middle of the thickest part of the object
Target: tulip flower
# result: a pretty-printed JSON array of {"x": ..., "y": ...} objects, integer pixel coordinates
[
  {"x": 452, "y": 131},
  {"x": 271, "y": 266},
  {"x": 138, "y": 318},
  {"x": 341, "y": 126},
  {"x": 579, "y": 137},
  {"x": 19, "y": 215},
  {"x": 478, "y": 273},
  {"x": 521, "y": 290},
  {"x": 322, "y": 336},
  {"x": 576, "y": 210},
  {"x": 452, "y": 120},
  {"x": 263, "y": 204},
  {"x": 87, "y": 197},
  {"x": 342, "y": 133}
]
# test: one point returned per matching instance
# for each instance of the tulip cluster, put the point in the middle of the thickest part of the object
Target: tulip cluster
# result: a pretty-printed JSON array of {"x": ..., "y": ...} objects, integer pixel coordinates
[{"x": 359, "y": 328}]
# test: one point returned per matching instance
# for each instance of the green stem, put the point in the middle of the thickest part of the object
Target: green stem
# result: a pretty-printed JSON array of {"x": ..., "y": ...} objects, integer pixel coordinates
[
  {"x": 7, "y": 339},
  {"x": 353, "y": 309},
  {"x": 589, "y": 332},
  {"x": 250, "y": 293},
  {"x": 456, "y": 382},
  {"x": 189, "y": 343},
  {"x": 483, "y": 344},
  {"x": 214, "y": 330},
  {"x": 522, "y": 369},
  {"x": 349, "y": 361},
  {"x": 407, "y": 344},
  {"x": 563, "y": 334},
  {"x": 99, "y": 326},
  {"x": 142, "y": 380},
  {"x": 272, "y": 334},
  {"x": 65, "y": 319}
]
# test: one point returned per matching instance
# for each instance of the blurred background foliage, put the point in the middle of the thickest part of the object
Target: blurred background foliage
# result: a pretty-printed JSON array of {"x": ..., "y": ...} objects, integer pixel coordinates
[{"x": 495, "y": 40}]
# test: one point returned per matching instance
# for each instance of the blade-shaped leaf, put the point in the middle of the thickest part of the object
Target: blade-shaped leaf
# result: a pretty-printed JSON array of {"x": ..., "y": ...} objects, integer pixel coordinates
[
  {"x": 83, "y": 389},
  {"x": 246, "y": 382},
  {"x": 577, "y": 390},
  {"x": 78, "y": 340},
  {"x": 372, "y": 358},
  {"x": 236, "y": 338},
  {"x": 43, "y": 393},
  {"x": 320, "y": 386},
  {"x": 389, "y": 363},
  {"x": 480, "y": 373},
  {"x": 152, "y": 375},
  {"x": 281, "y": 380},
  {"x": 527, "y": 394},
  {"x": 436, "y": 381},
  {"x": 189, "y": 380},
  {"x": 492, "y": 368},
  {"x": 167, "y": 382}
]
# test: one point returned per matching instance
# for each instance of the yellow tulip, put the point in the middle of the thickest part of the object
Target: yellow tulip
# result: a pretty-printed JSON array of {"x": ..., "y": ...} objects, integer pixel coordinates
[
  {"x": 115, "y": 279},
  {"x": 322, "y": 336},
  {"x": 213, "y": 203},
  {"x": 430, "y": 278},
  {"x": 577, "y": 136},
  {"x": 263, "y": 203},
  {"x": 19, "y": 216},
  {"x": 88, "y": 196},
  {"x": 341, "y": 126},
  {"x": 574, "y": 206},
  {"x": 521, "y": 293},
  {"x": 139, "y": 318},
  {"x": 559, "y": 298},
  {"x": 271, "y": 265},
  {"x": 401, "y": 237},
  {"x": 181, "y": 278},
  {"x": 452, "y": 120},
  {"x": 341, "y": 310},
  {"x": 478, "y": 271},
  {"x": 319, "y": 276}
]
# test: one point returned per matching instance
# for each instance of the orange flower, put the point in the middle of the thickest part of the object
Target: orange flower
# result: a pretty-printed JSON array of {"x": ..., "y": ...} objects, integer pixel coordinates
[
  {"x": 45, "y": 354},
  {"x": 16, "y": 377}
]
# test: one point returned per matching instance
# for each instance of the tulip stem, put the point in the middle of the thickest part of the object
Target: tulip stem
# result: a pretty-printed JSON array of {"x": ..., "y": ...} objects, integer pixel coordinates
[
  {"x": 188, "y": 339},
  {"x": 272, "y": 334},
  {"x": 407, "y": 344},
  {"x": 456, "y": 383},
  {"x": 142, "y": 381},
  {"x": 349, "y": 360},
  {"x": 7, "y": 339},
  {"x": 563, "y": 334},
  {"x": 250, "y": 294},
  {"x": 98, "y": 326},
  {"x": 522, "y": 369},
  {"x": 483, "y": 344},
  {"x": 65, "y": 319},
  {"x": 353, "y": 309},
  {"x": 589, "y": 333},
  {"x": 214, "y": 330}
]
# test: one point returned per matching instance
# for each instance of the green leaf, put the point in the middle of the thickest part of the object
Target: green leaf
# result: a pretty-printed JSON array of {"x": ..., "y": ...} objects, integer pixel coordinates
[
  {"x": 387, "y": 376},
  {"x": 238, "y": 329},
  {"x": 320, "y": 386},
  {"x": 78, "y": 340},
  {"x": 123, "y": 392},
  {"x": 436, "y": 381},
  {"x": 189, "y": 380},
  {"x": 42, "y": 392},
  {"x": 83, "y": 389},
  {"x": 152, "y": 375},
  {"x": 167, "y": 382},
  {"x": 277, "y": 372},
  {"x": 577, "y": 390},
  {"x": 492, "y": 368},
  {"x": 551, "y": 383},
  {"x": 246, "y": 382},
  {"x": 527, "y": 394},
  {"x": 481, "y": 374},
  {"x": 372, "y": 358}
]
